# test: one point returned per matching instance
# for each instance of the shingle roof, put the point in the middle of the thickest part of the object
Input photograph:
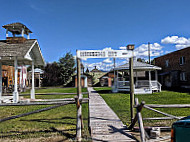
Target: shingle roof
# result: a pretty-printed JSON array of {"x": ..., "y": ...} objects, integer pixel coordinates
[
  {"x": 25, "y": 52},
  {"x": 18, "y": 49},
  {"x": 138, "y": 66}
]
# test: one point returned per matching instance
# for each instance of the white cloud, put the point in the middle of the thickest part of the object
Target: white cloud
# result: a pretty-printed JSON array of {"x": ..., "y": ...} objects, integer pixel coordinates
[
  {"x": 107, "y": 60},
  {"x": 99, "y": 65},
  {"x": 108, "y": 48},
  {"x": 175, "y": 40},
  {"x": 123, "y": 48},
  {"x": 180, "y": 42},
  {"x": 142, "y": 50}
]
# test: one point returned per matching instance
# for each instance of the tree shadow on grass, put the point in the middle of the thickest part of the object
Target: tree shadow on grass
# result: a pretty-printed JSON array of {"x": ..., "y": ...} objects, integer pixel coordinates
[
  {"x": 102, "y": 91},
  {"x": 54, "y": 120}
]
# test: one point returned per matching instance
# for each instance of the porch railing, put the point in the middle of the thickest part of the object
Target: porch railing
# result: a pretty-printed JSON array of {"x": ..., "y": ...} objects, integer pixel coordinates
[
  {"x": 153, "y": 85},
  {"x": 123, "y": 85}
]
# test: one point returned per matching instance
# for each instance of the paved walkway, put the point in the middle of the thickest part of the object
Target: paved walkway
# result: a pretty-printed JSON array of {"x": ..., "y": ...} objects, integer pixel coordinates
[{"x": 104, "y": 123}]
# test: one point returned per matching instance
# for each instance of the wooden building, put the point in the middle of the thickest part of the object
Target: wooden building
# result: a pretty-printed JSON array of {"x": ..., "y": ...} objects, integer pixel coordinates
[
  {"x": 18, "y": 51},
  {"x": 86, "y": 80},
  {"x": 96, "y": 74},
  {"x": 107, "y": 79}
]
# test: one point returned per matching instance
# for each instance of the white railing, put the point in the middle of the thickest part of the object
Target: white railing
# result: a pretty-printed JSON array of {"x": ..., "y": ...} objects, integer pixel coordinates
[
  {"x": 140, "y": 84},
  {"x": 123, "y": 84},
  {"x": 155, "y": 85}
]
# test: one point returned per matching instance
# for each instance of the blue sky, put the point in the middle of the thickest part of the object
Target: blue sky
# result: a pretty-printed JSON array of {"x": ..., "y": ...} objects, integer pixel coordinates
[{"x": 67, "y": 25}]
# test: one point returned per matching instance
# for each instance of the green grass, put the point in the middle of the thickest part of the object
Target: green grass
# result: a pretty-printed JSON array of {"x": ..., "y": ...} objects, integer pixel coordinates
[
  {"x": 57, "y": 123},
  {"x": 120, "y": 103}
]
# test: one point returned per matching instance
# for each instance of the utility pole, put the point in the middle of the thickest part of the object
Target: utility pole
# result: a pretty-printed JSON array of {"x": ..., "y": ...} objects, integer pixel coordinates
[
  {"x": 132, "y": 97},
  {"x": 149, "y": 52}
]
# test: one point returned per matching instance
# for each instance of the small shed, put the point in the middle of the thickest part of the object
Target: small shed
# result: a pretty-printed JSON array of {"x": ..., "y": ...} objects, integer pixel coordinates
[
  {"x": 86, "y": 80},
  {"x": 107, "y": 79}
]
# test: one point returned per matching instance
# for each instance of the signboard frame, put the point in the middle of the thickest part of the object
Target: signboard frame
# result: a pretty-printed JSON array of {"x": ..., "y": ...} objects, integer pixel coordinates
[{"x": 85, "y": 54}]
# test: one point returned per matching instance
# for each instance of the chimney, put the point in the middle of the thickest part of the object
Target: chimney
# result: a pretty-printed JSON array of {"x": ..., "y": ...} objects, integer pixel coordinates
[{"x": 14, "y": 40}]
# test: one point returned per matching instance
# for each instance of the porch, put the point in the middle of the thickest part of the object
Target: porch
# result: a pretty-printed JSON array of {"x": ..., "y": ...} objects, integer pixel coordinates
[
  {"x": 145, "y": 86},
  {"x": 140, "y": 87}
]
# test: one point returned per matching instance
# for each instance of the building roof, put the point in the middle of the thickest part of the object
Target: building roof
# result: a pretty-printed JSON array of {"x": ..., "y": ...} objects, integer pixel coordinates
[
  {"x": 17, "y": 28},
  {"x": 24, "y": 52},
  {"x": 95, "y": 70},
  {"x": 138, "y": 66},
  {"x": 186, "y": 48}
]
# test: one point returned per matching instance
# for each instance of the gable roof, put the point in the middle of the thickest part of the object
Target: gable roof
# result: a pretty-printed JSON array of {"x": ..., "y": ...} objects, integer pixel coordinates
[
  {"x": 177, "y": 51},
  {"x": 25, "y": 52},
  {"x": 138, "y": 66}
]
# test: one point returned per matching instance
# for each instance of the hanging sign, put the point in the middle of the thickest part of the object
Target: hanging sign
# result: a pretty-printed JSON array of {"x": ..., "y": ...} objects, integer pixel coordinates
[{"x": 104, "y": 53}]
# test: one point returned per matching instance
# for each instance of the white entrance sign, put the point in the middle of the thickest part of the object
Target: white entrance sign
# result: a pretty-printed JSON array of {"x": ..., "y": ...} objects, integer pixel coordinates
[{"x": 109, "y": 53}]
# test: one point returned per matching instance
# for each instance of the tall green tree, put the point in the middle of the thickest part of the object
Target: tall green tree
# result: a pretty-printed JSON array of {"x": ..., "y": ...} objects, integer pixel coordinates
[
  {"x": 67, "y": 68},
  {"x": 51, "y": 74}
]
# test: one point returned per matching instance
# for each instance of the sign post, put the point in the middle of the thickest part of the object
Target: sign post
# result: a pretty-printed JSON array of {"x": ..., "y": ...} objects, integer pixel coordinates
[
  {"x": 132, "y": 97},
  {"x": 78, "y": 103}
]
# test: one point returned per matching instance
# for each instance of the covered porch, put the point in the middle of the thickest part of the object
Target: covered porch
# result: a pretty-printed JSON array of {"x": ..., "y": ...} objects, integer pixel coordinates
[
  {"x": 19, "y": 51},
  {"x": 142, "y": 85}
]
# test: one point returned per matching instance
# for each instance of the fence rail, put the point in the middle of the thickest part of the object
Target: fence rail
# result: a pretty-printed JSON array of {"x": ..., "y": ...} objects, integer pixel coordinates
[{"x": 151, "y": 107}]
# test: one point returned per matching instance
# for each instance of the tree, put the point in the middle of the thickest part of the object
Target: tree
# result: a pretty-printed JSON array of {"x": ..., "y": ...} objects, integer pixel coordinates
[
  {"x": 67, "y": 68},
  {"x": 51, "y": 75},
  {"x": 141, "y": 60}
]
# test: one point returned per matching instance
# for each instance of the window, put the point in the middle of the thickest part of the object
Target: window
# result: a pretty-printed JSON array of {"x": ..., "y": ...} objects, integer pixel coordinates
[
  {"x": 182, "y": 60},
  {"x": 183, "y": 76},
  {"x": 167, "y": 63}
]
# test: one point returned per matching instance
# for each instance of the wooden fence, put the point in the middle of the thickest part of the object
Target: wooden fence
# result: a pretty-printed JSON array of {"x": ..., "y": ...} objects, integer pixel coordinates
[
  {"x": 138, "y": 117},
  {"x": 55, "y": 102}
]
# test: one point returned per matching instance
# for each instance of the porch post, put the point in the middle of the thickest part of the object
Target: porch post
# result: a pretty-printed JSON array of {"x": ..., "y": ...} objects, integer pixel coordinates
[
  {"x": 156, "y": 75},
  {"x": 114, "y": 71},
  {"x": 0, "y": 82},
  {"x": 39, "y": 81},
  {"x": 22, "y": 32},
  {"x": 149, "y": 77},
  {"x": 117, "y": 79},
  {"x": 28, "y": 36},
  {"x": 7, "y": 33},
  {"x": 15, "y": 93},
  {"x": 32, "y": 92}
]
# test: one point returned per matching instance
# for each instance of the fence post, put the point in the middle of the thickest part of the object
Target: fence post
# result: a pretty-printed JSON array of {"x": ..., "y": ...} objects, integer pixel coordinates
[
  {"x": 79, "y": 100},
  {"x": 141, "y": 127},
  {"x": 139, "y": 108}
]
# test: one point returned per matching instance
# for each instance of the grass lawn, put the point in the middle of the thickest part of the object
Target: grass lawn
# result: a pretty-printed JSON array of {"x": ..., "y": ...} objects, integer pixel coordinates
[
  {"x": 58, "y": 124},
  {"x": 120, "y": 103}
]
